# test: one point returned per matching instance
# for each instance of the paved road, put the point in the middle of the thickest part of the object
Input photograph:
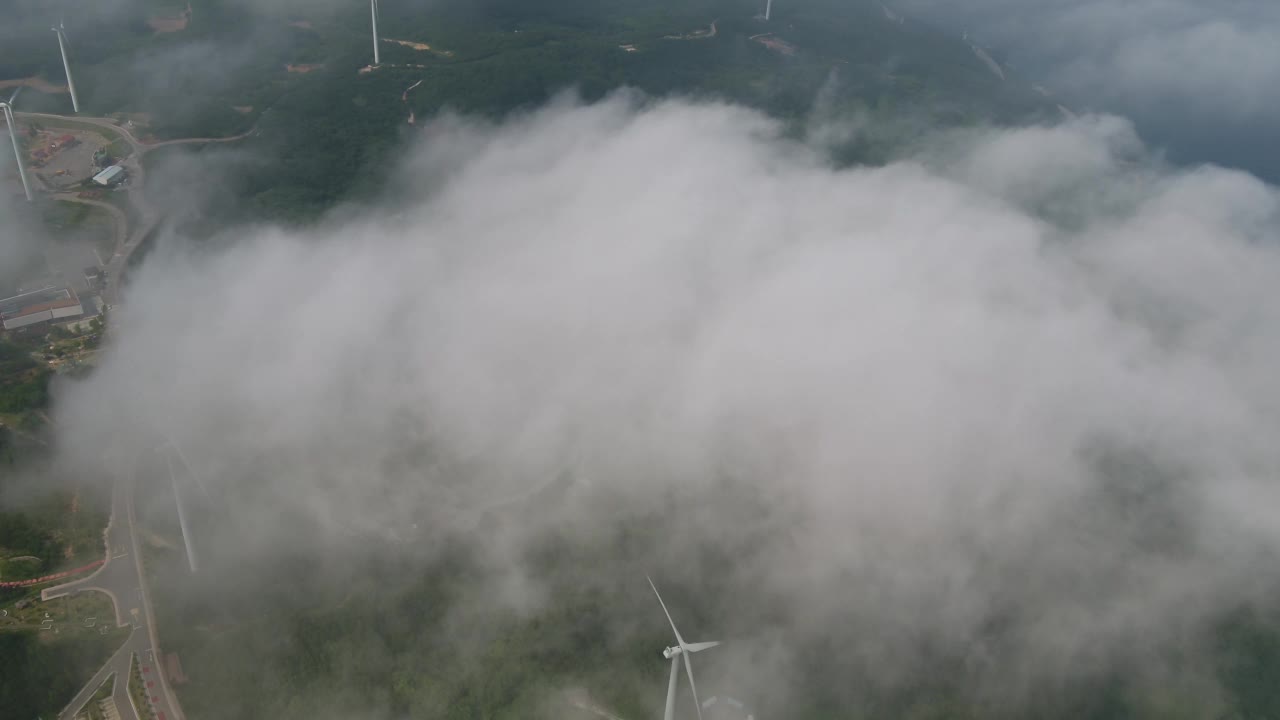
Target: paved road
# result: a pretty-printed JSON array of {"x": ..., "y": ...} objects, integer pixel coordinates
[
  {"x": 121, "y": 578},
  {"x": 118, "y": 577},
  {"x": 120, "y": 221},
  {"x": 107, "y": 123},
  {"x": 148, "y": 215},
  {"x": 119, "y": 666}
]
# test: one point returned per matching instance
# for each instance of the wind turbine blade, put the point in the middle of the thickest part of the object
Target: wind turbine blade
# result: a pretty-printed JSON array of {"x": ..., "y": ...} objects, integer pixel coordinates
[
  {"x": 14, "y": 96},
  {"x": 696, "y": 647},
  {"x": 679, "y": 639},
  {"x": 688, "y": 668},
  {"x": 670, "y": 712},
  {"x": 191, "y": 471}
]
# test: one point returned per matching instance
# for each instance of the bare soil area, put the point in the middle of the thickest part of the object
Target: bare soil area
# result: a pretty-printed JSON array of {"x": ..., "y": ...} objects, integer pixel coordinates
[
  {"x": 65, "y": 157},
  {"x": 35, "y": 83},
  {"x": 776, "y": 44},
  {"x": 419, "y": 46},
  {"x": 167, "y": 25},
  {"x": 171, "y": 24}
]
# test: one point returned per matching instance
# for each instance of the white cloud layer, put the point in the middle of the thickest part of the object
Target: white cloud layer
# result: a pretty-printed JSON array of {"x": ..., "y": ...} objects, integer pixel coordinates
[
  {"x": 1213, "y": 59},
  {"x": 1195, "y": 76},
  {"x": 1027, "y": 375}
]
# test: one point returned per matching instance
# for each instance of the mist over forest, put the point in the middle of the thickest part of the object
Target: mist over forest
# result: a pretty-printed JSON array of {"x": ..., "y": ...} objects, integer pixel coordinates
[
  {"x": 927, "y": 397},
  {"x": 1195, "y": 77}
]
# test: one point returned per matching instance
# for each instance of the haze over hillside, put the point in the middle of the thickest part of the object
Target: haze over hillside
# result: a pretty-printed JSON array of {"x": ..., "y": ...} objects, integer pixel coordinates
[
  {"x": 1198, "y": 77},
  {"x": 928, "y": 399},
  {"x": 999, "y": 400}
]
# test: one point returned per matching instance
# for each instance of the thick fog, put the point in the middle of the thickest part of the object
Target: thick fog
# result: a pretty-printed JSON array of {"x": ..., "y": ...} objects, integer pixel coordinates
[
  {"x": 21, "y": 236},
  {"x": 1026, "y": 378},
  {"x": 1198, "y": 76}
]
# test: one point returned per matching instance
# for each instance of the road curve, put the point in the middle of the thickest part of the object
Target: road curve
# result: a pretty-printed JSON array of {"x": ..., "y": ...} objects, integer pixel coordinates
[
  {"x": 149, "y": 216},
  {"x": 123, "y": 580},
  {"x": 117, "y": 215}
]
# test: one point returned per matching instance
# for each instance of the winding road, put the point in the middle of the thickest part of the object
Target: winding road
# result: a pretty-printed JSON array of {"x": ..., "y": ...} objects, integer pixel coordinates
[
  {"x": 121, "y": 577},
  {"x": 128, "y": 240}
]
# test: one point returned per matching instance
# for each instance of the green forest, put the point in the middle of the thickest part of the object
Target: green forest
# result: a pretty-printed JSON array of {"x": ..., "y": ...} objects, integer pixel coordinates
[
  {"x": 24, "y": 383},
  {"x": 39, "y": 675},
  {"x": 60, "y": 530},
  {"x": 371, "y": 629},
  {"x": 409, "y": 628},
  {"x": 389, "y": 636},
  {"x": 333, "y": 133}
]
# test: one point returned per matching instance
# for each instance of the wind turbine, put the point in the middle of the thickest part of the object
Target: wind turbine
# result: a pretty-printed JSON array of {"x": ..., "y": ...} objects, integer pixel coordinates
[
  {"x": 61, "y": 31},
  {"x": 7, "y": 107},
  {"x": 373, "y": 9},
  {"x": 171, "y": 446},
  {"x": 768, "y": 9},
  {"x": 182, "y": 515},
  {"x": 682, "y": 649}
]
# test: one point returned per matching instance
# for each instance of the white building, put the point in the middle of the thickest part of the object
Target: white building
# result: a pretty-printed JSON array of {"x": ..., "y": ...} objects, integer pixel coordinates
[
  {"x": 111, "y": 176},
  {"x": 44, "y": 305}
]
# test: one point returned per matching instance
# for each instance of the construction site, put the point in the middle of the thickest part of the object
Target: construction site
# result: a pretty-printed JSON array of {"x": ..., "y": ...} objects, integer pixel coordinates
[{"x": 61, "y": 159}]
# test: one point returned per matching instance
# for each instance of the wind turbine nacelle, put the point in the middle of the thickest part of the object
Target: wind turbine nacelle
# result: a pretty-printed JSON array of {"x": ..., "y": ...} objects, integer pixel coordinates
[{"x": 671, "y": 652}]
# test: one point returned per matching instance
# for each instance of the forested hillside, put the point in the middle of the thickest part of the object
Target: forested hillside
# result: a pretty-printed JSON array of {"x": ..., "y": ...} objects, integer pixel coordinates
[{"x": 326, "y": 131}]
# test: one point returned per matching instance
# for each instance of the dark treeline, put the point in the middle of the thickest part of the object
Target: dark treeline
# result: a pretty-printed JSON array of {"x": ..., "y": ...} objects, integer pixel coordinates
[
  {"x": 332, "y": 133},
  {"x": 39, "y": 675},
  {"x": 333, "y": 623},
  {"x": 24, "y": 383},
  {"x": 57, "y": 529}
]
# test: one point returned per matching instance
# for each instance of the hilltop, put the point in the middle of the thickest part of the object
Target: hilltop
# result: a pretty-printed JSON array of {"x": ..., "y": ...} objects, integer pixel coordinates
[{"x": 328, "y": 121}]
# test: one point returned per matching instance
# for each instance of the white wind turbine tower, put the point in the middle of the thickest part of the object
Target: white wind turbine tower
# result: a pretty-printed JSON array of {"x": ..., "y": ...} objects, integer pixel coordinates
[
  {"x": 373, "y": 9},
  {"x": 7, "y": 107},
  {"x": 172, "y": 446},
  {"x": 61, "y": 31},
  {"x": 182, "y": 516},
  {"x": 682, "y": 649}
]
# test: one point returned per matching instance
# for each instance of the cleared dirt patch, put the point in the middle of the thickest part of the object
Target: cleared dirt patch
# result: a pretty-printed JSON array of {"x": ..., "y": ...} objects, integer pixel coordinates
[
  {"x": 171, "y": 24},
  {"x": 63, "y": 157},
  {"x": 167, "y": 25},
  {"x": 775, "y": 44},
  {"x": 419, "y": 46},
  {"x": 173, "y": 668},
  {"x": 35, "y": 83},
  {"x": 302, "y": 68}
]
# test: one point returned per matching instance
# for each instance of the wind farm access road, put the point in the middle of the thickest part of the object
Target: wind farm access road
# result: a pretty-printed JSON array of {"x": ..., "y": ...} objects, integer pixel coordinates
[{"x": 149, "y": 215}]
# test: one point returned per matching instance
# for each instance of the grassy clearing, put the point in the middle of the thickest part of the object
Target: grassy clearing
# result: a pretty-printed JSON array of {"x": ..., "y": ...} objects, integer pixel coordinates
[
  {"x": 67, "y": 220},
  {"x": 83, "y": 614}
]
